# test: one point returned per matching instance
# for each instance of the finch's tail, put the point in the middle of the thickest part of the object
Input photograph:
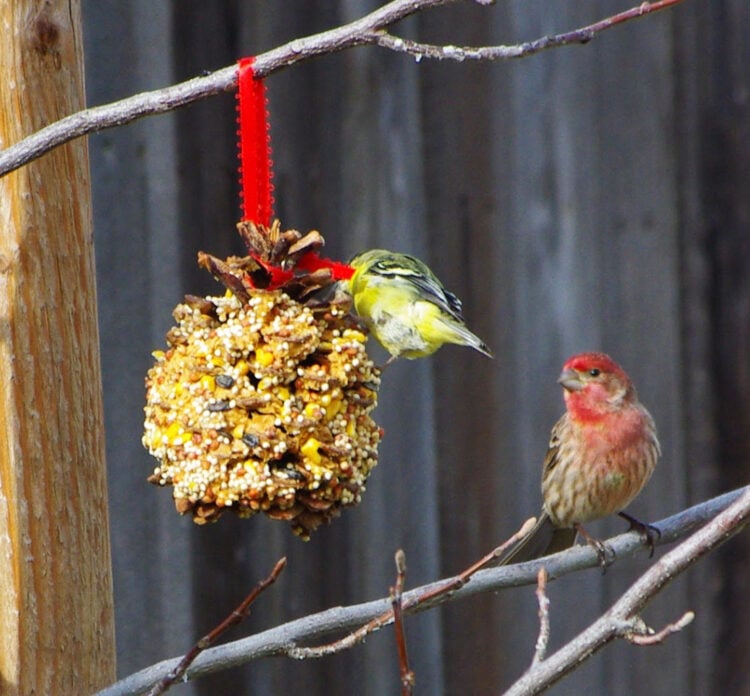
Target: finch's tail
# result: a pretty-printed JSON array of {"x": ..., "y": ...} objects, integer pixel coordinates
[
  {"x": 543, "y": 540},
  {"x": 464, "y": 337}
]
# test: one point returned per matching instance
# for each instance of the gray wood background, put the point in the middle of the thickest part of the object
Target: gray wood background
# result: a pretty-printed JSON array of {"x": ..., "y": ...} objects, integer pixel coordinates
[{"x": 592, "y": 197}]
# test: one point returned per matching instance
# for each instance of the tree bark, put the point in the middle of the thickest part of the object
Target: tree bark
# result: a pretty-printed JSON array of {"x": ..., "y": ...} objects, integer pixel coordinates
[{"x": 55, "y": 587}]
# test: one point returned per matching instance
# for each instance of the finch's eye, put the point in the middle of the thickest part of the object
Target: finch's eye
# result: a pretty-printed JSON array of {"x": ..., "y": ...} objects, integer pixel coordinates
[{"x": 595, "y": 371}]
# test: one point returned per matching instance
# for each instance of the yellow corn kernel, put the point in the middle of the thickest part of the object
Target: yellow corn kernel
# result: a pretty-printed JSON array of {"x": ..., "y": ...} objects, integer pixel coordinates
[
  {"x": 355, "y": 335},
  {"x": 313, "y": 410},
  {"x": 310, "y": 450},
  {"x": 208, "y": 383},
  {"x": 264, "y": 357},
  {"x": 238, "y": 431},
  {"x": 173, "y": 432},
  {"x": 282, "y": 393},
  {"x": 217, "y": 361},
  {"x": 158, "y": 355},
  {"x": 351, "y": 428},
  {"x": 333, "y": 408},
  {"x": 242, "y": 367}
]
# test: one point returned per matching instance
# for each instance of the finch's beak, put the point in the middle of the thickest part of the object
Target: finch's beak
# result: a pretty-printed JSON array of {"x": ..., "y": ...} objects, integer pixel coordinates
[{"x": 570, "y": 380}]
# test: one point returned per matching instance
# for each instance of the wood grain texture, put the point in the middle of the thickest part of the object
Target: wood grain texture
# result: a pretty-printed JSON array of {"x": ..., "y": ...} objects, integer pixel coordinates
[{"x": 56, "y": 586}]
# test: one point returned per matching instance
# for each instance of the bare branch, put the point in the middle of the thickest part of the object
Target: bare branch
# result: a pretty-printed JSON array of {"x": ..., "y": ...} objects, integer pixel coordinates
[
  {"x": 368, "y": 30},
  {"x": 489, "y": 53},
  {"x": 212, "y": 636},
  {"x": 281, "y": 640},
  {"x": 622, "y": 620},
  {"x": 541, "y": 595}
]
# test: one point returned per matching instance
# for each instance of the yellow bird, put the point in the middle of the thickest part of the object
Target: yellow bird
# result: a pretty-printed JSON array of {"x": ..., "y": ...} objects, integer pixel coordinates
[{"x": 405, "y": 306}]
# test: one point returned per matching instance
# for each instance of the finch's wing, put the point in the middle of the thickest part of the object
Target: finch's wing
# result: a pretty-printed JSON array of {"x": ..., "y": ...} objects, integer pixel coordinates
[
  {"x": 553, "y": 449},
  {"x": 432, "y": 290},
  {"x": 419, "y": 276}
]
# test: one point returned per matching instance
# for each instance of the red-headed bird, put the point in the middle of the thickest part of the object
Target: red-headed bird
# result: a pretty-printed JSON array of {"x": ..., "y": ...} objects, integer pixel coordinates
[{"x": 601, "y": 454}]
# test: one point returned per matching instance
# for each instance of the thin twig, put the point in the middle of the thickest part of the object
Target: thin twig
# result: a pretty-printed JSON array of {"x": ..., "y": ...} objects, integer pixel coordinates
[
  {"x": 237, "y": 616},
  {"x": 650, "y": 637},
  {"x": 407, "y": 676},
  {"x": 282, "y": 639},
  {"x": 543, "y": 600},
  {"x": 367, "y": 30},
  {"x": 462, "y": 578},
  {"x": 582, "y": 35}
]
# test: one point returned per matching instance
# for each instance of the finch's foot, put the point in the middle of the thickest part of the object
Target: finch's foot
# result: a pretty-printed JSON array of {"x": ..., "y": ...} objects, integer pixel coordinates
[
  {"x": 390, "y": 361},
  {"x": 606, "y": 555},
  {"x": 648, "y": 531}
]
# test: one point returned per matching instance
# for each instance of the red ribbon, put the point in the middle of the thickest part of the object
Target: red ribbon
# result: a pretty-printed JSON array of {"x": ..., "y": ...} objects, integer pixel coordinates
[
  {"x": 312, "y": 262},
  {"x": 256, "y": 172},
  {"x": 254, "y": 146}
]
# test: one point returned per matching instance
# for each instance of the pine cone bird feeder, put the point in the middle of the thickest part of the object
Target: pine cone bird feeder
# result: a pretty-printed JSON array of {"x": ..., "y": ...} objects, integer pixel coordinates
[{"x": 262, "y": 401}]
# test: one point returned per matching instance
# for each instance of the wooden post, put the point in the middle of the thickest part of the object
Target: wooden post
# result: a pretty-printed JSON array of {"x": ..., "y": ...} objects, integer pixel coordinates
[{"x": 56, "y": 619}]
